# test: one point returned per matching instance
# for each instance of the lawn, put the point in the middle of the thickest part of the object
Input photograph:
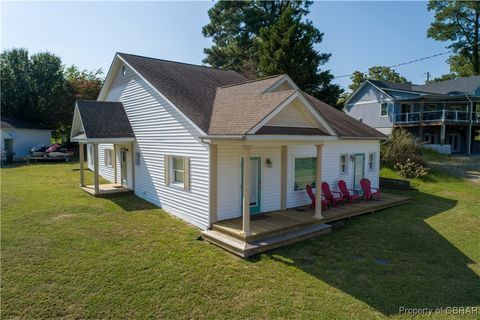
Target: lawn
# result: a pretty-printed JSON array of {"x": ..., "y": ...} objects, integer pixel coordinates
[{"x": 66, "y": 254}]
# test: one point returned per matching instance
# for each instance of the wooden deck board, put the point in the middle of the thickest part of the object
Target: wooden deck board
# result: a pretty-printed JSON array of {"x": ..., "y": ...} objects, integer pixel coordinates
[
  {"x": 275, "y": 222},
  {"x": 107, "y": 190}
]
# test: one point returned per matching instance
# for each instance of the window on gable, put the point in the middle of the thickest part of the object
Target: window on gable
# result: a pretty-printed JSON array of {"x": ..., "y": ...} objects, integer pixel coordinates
[
  {"x": 384, "y": 109},
  {"x": 108, "y": 157},
  {"x": 371, "y": 161},
  {"x": 343, "y": 163},
  {"x": 305, "y": 173}
]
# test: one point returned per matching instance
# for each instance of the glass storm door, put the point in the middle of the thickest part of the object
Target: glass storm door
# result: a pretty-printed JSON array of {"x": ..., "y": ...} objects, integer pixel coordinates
[
  {"x": 255, "y": 193},
  {"x": 123, "y": 167},
  {"x": 454, "y": 141},
  {"x": 358, "y": 170}
]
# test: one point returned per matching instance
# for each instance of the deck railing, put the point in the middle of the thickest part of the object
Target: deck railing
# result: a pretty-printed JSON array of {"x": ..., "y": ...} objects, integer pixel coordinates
[{"x": 436, "y": 115}]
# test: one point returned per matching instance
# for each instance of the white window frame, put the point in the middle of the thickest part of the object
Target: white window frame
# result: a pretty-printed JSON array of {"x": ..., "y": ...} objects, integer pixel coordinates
[
  {"x": 108, "y": 157},
  {"x": 343, "y": 164},
  {"x": 173, "y": 170},
  {"x": 386, "y": 109},
  {"x": 138, "y": 158},
  {"x": 90, "y": 152},
  {"x": 371, "y": 162},
  {"x": 294, "y": 177}
]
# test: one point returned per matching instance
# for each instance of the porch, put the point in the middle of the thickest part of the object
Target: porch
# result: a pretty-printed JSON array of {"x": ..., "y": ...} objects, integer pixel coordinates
[
  {"x": 107, "y": 190},
  {"x": 278, "y": 228}
]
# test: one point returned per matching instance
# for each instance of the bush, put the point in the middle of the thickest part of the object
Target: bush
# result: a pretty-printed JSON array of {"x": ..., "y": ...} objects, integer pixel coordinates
[
  {"x": 411, "y": 169},
  {"x": 401, "y": 146}
]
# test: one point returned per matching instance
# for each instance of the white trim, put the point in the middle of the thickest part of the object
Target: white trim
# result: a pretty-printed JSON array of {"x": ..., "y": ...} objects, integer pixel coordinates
[
  {"x": 290, "y": 138},
  {"x": 103, "y": 140},
  {"x": 76, "y": 113},
  {"x": 280, "y": 82},
  {"x": 282, "y": 106},
  {"x": 163, "y": 96}
]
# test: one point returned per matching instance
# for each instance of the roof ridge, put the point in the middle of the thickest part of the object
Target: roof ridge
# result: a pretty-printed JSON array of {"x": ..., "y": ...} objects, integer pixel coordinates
[
  {"x": 250, "y": 81},
  {"x": 177, "y": 62}
]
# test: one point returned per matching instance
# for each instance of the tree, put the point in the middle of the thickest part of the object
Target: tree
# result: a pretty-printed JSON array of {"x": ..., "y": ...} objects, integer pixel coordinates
[
  {"x": 459, "y": 23},
  {"x": 262, "y": 38},
  {"x": 375, "y": 73},
  {"x": 39, "y": 89}
]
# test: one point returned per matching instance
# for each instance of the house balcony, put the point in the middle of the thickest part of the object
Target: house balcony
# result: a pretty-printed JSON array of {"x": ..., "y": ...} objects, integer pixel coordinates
[{"x": 441, "y": 116}]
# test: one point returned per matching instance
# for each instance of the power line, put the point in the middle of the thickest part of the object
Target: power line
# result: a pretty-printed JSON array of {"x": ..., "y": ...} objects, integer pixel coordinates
[{"x": 412, "y": 61}]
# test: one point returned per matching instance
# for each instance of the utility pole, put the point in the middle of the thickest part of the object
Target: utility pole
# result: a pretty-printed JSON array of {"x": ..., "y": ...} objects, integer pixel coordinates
[{"x": 428, "y": 77}]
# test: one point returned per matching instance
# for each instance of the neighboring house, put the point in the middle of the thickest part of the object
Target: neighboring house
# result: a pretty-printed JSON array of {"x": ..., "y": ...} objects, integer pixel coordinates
[
  {"x": 444, "y": 115},
  {"x": 18, "y": 136},
  {"x": 176, "y": 134}
]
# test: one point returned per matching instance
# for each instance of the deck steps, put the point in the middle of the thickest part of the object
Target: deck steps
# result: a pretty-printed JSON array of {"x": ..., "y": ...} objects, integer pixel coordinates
[{"x": 245, "y": 249}]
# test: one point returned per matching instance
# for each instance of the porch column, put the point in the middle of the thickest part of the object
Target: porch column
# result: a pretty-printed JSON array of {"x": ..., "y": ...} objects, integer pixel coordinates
[
  {"x": 246, "y": 190},
  {"x": 114, "y": 163},
  {"x": 133, "y": 165},
  {"x": 213, "y": 182},
  {"x": 469, "y": 130},
  {"x": 81, "y": 158},
  {"x": 95, "y": 169},
  {"x": 318, "y": 184},
  {"x": 283, "y": 181}
]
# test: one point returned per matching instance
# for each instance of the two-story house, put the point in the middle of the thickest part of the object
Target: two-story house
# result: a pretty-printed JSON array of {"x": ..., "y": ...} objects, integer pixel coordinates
[{"x": 445, "y": 115}]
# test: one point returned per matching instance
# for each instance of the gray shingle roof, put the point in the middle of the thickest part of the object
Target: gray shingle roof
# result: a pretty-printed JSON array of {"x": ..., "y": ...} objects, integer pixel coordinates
[
  {"x": 190, "y": 87},
  {"x": 466, "y": 85},
  {"x": 104, "y": 119},
  {"x": 17, "y": 123}
]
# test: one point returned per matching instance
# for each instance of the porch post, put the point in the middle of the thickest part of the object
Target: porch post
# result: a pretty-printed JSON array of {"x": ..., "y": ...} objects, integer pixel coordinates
[
  {"x": 95, "y": 168},
  {"x": 246, "y": 190},
  {"x": 81, "y": 158},
  {"x": 133, "y": 165},
  {"x": 213, "y": 182},
  {"x": 469, "y": 129},
  {"x": 283, "y": 181},
  {"x": 318, "y": 184},
  {"x": 114, "y": 163}
]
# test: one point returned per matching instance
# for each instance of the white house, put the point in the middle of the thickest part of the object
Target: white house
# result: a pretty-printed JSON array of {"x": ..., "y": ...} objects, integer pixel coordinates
[
  {"x": 177, "y": 134},
  {"x": 18, "y": 136}
]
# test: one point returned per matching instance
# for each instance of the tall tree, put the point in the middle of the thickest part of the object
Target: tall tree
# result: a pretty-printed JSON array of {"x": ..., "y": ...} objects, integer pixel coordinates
[
  {"x": 459, "y": 23},
  {"x": 262, "y": 38}
]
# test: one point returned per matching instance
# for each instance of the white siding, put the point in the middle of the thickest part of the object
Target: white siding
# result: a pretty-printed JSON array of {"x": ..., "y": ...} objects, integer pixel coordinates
[
  {"x": 161, "y": 130},
  {"x": 229, "y": 179},
  {"x": 229, "y": 182},
  {"x": 104, "y": 171},
  {"x": 24, "y": 140}
]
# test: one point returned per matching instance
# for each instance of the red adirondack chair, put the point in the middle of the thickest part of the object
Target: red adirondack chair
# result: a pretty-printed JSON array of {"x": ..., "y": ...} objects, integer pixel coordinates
[
  {"x": 310, "y": 193},
  {"x": 329, "y": 195},
  {"x": 367, "y": 190},
  {"x": 346, "y": 195}
]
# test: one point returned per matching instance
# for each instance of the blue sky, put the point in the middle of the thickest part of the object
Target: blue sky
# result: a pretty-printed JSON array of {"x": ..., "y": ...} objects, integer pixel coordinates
[{"x": 357, "y": 34}]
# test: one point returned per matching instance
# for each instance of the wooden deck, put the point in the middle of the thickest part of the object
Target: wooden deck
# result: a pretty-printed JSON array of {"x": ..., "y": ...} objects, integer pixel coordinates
[
  {"x": 270, "y": 226},
  {"x": 107, "y": 190}
]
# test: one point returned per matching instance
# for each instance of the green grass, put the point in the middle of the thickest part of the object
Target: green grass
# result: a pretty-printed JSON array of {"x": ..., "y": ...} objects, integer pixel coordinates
[{"x": 66, "y": 254}]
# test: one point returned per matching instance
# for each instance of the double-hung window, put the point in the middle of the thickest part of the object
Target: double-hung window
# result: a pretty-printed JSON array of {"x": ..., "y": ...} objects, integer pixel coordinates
[
  {"x": 384, "y": 109},
  {"x": 178, "y": 172},
  {"x": 371, "y": 161},
  {"x": 343, "y": 163},
  {"x": 108, "y": 157},
  {"x": 305, "y": 173}
]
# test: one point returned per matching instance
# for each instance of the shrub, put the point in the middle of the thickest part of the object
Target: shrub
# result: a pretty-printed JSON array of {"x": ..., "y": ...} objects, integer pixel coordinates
[
  {"x": 401, "y": 146},
  {"x": 411, "y": 169}
]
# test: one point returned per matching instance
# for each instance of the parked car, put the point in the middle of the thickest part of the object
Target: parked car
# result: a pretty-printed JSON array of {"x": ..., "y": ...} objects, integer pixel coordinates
[
  {"x": 57, "y": 151},
  {"x": 37, "y": 151}
]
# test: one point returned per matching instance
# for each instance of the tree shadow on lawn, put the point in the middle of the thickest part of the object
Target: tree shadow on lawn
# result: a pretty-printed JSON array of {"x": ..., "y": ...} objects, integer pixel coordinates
[{"x": 421, "y": 269}]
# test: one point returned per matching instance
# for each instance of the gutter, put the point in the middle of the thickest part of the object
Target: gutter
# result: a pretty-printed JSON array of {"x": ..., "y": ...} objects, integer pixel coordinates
[{"x": 364, "y": 138}]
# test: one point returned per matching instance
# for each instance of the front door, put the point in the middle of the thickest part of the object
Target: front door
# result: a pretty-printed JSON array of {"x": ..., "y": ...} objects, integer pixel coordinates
[
  {"x": 454, "y": 141},
  {"x": 255, "y": 183},
  {"x": 358, "y": 169},
  {"x": 123, "y": 167}
]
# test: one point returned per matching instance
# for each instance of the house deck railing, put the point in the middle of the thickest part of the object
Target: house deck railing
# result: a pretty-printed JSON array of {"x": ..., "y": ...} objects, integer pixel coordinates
[{"x": 436, "y": 115}]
